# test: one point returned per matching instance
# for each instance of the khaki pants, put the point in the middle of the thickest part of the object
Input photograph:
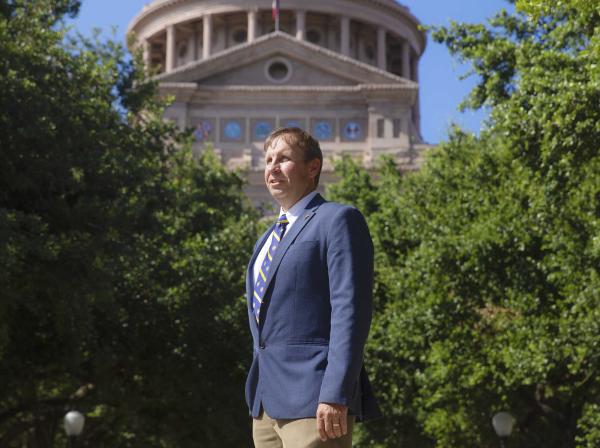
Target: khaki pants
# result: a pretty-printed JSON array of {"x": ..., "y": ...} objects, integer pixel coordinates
[{"x": 300, "y": 433}]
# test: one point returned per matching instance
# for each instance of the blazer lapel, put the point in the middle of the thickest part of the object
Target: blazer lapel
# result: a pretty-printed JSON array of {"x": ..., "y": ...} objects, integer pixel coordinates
[{"x": 288, "y": 238}]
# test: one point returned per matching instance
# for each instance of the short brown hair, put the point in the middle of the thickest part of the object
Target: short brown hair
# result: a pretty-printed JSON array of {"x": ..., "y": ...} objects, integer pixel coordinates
[{"x": 301, "y": 140}]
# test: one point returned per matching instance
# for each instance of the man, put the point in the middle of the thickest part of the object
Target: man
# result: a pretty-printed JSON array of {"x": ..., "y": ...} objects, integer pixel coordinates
[{"x": 309, "y": 289}]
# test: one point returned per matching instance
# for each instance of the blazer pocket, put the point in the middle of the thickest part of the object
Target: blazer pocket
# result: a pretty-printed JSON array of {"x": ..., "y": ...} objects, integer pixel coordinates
[{"x": 306, "y": 254}]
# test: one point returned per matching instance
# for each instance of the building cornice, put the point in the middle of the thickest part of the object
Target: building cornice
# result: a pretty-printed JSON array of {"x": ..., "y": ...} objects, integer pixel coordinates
[
  {"x": 290, "y": 89},
  {"x": 311, "y": 95}
]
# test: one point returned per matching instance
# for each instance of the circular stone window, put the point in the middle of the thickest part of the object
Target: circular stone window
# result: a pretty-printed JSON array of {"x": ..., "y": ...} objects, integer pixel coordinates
[
  {"x": 313, "y": 36},
  {"x": 240, "y": 35},
  {"x": 278, "y": 70}
]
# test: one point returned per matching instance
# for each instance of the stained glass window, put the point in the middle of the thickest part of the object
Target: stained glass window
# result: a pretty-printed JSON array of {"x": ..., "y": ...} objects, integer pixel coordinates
[
  {"x": 233, "y": 130},
  {"x": 323, "y": 130},
  {"x": 353, "y": 131}
]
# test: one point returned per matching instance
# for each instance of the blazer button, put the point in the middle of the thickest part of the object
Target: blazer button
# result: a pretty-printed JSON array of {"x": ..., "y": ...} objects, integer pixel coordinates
[{"x": 262, "y": 345}]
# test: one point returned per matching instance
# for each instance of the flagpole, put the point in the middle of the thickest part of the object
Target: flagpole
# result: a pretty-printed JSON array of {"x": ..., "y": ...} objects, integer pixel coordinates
[{"x": 276, "y": 14}]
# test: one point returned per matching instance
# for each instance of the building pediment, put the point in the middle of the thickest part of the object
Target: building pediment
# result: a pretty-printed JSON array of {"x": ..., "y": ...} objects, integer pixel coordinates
[{"x": 252, "y": 64}]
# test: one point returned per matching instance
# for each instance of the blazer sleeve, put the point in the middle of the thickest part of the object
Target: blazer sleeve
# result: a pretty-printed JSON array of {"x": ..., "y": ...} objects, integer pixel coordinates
[{"x": 350, "y": 270}]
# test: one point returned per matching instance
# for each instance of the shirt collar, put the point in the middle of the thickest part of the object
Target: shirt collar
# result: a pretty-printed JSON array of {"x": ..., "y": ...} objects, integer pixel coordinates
[{"x": 298, "y": 208}]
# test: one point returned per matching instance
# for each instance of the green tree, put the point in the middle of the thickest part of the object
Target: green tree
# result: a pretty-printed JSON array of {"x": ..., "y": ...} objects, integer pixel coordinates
[
  {"x": 487, "y": 283},
  {"x": 121, "y": 254},
  {"x": 542, "y": 7}
]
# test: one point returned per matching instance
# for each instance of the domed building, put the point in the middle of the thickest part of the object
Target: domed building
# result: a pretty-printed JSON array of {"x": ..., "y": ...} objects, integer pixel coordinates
[{"x": 345, "y": 70}]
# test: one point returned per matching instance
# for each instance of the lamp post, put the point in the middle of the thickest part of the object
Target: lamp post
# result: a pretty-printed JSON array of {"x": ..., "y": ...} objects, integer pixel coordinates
[
  {"x": 503, "y": 424},
  {"x": 74, "y": 421}
]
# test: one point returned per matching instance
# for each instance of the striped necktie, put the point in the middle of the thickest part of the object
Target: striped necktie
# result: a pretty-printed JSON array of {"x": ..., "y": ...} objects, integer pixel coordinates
[{"x": 261, "y": 281}]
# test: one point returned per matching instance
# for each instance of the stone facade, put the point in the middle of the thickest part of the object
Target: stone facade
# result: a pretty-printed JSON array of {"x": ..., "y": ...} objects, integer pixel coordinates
[{"x": 345, "y": 70}]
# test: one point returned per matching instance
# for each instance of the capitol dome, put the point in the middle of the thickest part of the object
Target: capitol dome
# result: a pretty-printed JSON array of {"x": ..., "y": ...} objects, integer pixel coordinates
[{"x": 345, "y": 70}]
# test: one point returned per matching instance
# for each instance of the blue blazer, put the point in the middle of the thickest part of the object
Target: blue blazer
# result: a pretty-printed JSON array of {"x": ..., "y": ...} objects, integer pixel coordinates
[{"x": 315, "y": 317}]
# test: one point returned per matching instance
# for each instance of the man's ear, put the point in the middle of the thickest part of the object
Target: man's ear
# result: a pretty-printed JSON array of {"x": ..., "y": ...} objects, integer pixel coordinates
[{"x": 313, "y": 167}]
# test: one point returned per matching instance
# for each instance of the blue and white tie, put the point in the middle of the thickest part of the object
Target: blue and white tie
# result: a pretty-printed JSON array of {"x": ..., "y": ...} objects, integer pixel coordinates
[{"x": 261, "y": 281}]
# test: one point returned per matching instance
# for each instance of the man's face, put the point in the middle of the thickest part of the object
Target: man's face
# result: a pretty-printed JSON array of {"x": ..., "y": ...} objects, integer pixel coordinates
[{"x": 287, "y": 175}]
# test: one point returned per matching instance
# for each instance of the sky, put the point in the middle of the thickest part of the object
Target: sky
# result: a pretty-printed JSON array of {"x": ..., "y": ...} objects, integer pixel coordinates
[{"x": 441, "y": 89}]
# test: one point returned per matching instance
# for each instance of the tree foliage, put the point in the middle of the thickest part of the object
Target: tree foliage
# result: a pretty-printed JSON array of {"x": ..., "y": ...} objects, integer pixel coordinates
[
  {"x": 121, "y": 254},
  {"x": 538, "y": 8},
  {"x": 487, "y": 283}
]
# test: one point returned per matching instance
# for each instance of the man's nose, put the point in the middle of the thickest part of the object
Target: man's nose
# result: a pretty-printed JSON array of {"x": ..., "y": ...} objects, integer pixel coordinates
[{"x": 273, "y": 167}]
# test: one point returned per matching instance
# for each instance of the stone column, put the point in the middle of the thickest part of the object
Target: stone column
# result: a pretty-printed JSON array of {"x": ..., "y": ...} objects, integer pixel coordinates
[
  {"x": 206, "y": 35},
  {"x": 300, "y": 24},
  {"x": 374, "y": 140},
  {"x": 345, "y": 35},
  {"x": 417, "y": 108},
  {"x": 415, "y": 70},
  {"x": 381, "y": 49},
  {"x": 251, "y": 25},
  {"x": 192, "y": 44},
  {"x": 406, "y": 69},
  {"x": 171, "y": 47},
  {"x": 147, "y": 54}
]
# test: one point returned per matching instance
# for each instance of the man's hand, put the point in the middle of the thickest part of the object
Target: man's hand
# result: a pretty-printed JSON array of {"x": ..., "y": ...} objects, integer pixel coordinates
[{"x": 332, "y": 420}]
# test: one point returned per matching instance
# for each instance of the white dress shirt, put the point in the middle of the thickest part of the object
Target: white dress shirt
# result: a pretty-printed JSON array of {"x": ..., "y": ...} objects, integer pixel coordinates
[{"x": 292, "y": 215}]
